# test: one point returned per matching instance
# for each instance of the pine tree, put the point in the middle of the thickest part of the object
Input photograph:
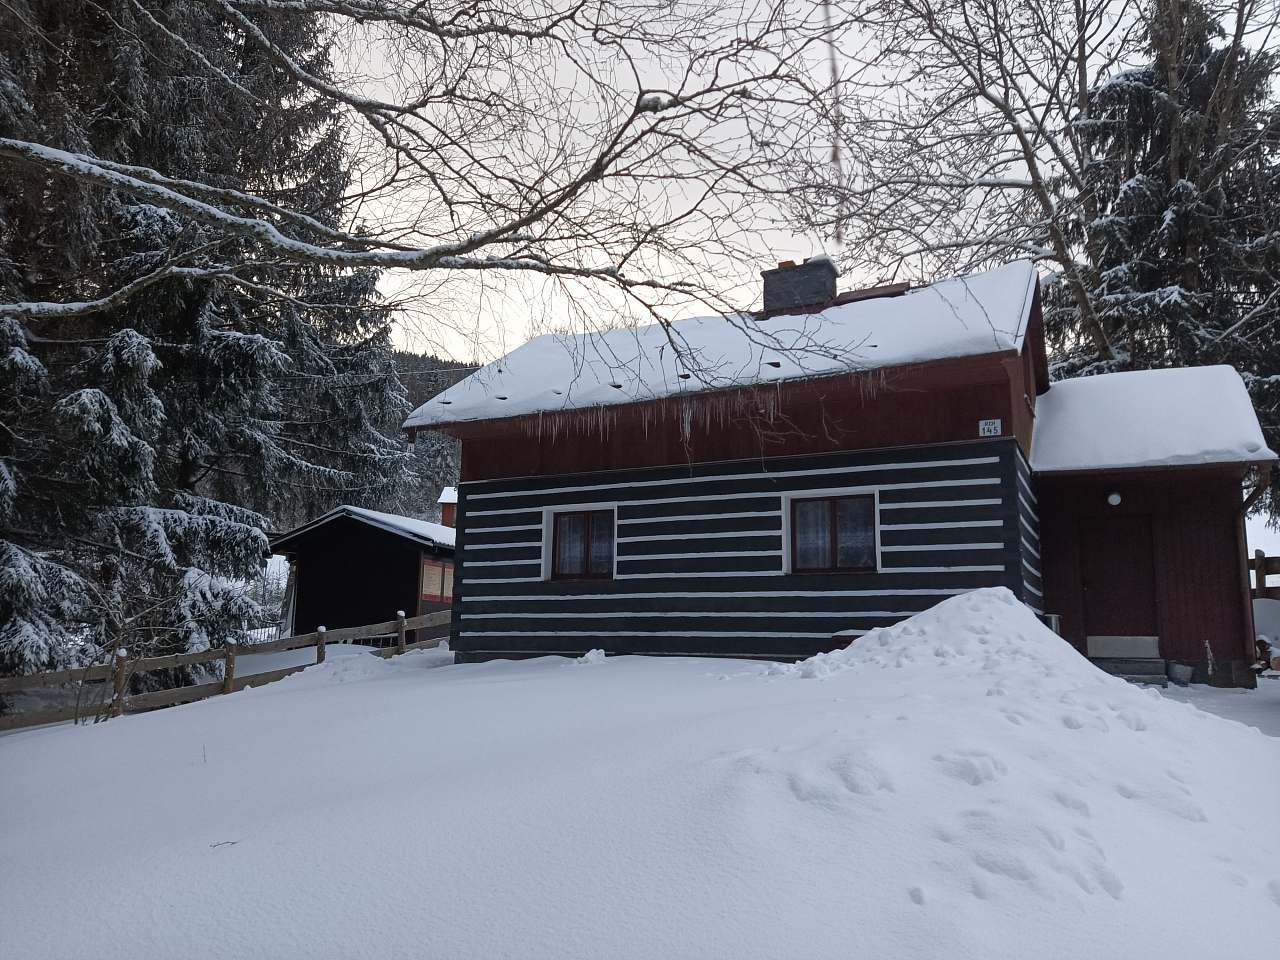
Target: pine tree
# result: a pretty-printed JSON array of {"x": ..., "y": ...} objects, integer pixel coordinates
[
  {"x": 435, "y": 457},
  {"x": 1184, "y": 248},
  {"x": 147, "y": 449}
]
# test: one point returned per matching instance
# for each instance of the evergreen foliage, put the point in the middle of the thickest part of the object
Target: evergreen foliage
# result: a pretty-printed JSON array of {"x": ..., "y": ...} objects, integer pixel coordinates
[
  {"x": 435, "y": 457},
  {"x": 146, "y": 449},
  {"x": 1182, "y": 235}
]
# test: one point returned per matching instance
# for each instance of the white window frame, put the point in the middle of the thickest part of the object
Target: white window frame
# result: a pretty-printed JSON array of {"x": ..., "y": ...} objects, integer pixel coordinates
[
  {"x": 788, "y": 561},
  {"x": 549, "y": 533}
]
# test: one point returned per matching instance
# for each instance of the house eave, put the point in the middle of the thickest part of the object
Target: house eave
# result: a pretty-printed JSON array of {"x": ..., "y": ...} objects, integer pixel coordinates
[{"x": 972, "y": 365}]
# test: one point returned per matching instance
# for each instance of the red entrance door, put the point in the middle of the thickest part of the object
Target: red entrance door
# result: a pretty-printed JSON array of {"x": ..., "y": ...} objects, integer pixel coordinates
[{"x": 1117, "y": 572}]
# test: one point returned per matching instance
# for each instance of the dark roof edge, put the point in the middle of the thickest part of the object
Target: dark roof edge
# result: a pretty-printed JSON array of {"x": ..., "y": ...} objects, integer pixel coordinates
[{"x": 337, "y": 513}]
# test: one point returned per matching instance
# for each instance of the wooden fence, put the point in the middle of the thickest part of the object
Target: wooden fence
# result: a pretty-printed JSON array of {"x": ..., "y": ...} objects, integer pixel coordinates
[
  {"x": 1262, "y": 565},
  {"x": 122, "y": 667}
]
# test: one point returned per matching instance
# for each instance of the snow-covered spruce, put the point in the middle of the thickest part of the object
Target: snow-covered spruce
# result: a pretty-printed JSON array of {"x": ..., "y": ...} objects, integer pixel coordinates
[
  {"x": 963, "y": 779},
  {"x": 145, "y": 450}
]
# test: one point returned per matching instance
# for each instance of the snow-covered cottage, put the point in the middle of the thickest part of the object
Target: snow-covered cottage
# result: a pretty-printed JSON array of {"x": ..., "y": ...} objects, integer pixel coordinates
[
  {"x": 353, "y": 566},
  {"x": 753, "y": 485}
]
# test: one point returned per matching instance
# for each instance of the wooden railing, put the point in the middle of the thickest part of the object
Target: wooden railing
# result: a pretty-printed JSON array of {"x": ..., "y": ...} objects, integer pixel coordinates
[
  {"x": 1262, "y": 566},
  {"x": 122, "y": 667}
]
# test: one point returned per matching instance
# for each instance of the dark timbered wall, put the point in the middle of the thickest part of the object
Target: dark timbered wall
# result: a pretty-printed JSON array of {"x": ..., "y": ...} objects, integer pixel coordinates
[
  {"x": 1029, "y": 538},
  {"x": 700, "y": 553}
]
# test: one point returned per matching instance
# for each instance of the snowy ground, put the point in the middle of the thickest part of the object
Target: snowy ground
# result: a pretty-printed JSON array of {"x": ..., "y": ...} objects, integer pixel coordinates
[
  {"x": 253, "y": 663},
  {"x": 961, "y": 785},
  {"x": 1258, "y": 708}
]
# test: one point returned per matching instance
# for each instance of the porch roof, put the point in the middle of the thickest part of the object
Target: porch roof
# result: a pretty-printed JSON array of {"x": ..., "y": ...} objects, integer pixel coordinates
[{"x": 1147, "y": 418}]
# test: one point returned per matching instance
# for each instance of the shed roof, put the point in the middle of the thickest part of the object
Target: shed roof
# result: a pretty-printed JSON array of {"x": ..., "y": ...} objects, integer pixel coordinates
[
  {"x": 1147, "y": 418},
  {"x": 422, "y": 532},
  {"x": 448, "y": 495},
  {"x": 978, "y": 314}
]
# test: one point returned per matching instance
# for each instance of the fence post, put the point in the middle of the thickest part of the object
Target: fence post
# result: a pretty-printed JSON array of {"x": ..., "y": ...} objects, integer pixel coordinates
[
  {"x": 399, "y": 631},
  {"x": 1260, "y": 574},
  {"x": 320, "y": 645},
  {"x": 119, "y": 677},
  {"x": 229, "y": 674}
]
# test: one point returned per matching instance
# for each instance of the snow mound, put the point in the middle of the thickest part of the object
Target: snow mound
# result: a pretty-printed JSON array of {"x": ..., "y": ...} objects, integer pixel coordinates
[
  {"x": 987, "y": 631},
  {"x": 963, "y": 778}
]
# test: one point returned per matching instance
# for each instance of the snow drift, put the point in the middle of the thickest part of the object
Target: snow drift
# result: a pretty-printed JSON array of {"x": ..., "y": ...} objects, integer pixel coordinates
[{"x": 961, "y": 779}]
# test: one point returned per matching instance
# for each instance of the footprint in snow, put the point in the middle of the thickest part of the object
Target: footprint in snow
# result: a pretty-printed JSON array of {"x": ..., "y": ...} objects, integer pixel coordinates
[
  {"x": 1072, "y": 803},
  {"x": 1134, "y": 721},
  {"x": 974, "y": 767}
]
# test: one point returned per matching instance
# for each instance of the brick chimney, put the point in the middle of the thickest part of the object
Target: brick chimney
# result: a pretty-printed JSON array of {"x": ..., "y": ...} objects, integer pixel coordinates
[{"x": 792, "y": 285}]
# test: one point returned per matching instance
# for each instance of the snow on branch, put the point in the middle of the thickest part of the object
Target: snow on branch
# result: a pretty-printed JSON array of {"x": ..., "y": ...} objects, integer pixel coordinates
[{"x": 617, "y": 144}]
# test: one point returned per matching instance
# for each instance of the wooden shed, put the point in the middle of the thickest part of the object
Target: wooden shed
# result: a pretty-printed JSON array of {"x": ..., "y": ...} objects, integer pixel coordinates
[{"x": 353, "y": 566}]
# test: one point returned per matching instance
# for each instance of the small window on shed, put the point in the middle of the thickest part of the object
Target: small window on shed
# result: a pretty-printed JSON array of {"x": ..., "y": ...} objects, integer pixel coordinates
[
  {"x": 833, "y": 534},
  {"x": 582, "y": 545},
  {"x": 437, "y": 580}
]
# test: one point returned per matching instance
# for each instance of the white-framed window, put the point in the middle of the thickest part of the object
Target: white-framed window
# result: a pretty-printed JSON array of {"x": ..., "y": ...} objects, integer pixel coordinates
[
  {"x": 831, "y": 531},
  {"x": 580, "y": 542}
]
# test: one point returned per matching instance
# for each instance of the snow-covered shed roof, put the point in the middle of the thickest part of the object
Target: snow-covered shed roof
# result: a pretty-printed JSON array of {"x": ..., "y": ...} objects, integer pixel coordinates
[
  {"x": 420, "y": 531},
  {"x": 981, "y": 313},
  {"x": 1147, "y": 418},
  {"x": 448, "y": 495}
]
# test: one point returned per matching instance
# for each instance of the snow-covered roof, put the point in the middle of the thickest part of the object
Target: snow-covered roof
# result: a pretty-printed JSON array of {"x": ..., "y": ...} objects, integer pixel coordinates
[
  {"x": 1147, "y": 418},
  {"x": 421, "y": 531},
  {"x": 448, "y": 495},
  {"x": 981, "y": 313}
]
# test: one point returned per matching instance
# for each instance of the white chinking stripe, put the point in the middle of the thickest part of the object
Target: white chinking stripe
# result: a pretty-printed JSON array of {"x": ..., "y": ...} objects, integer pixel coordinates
[
  {"x": 1026, "y": 525},
  {"x": 698, "y": 516},
  {"x": 651, "y": 633},
  {"x": 719, "y": 555},
  {"x": 736, "y": 574},
  {"x": 1026, "y": 487},
  {"x": 941, "y": 526},
  {"x": 723, "y": 594},
  {"x": 1023, "y": 477},
  {"x": 931, "y": 547},
  {"x": 523, "y": 526},
  {"x": 718, "y": 614},
  {"x": 939, "y": 504},
  {"x": 777, "y": 532},
  {"x": 754, "y": 475},
  {"x": 905, "y": 505},
  {"x": 668, "y": 575},
  {"x": 763, "y": 495}
]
